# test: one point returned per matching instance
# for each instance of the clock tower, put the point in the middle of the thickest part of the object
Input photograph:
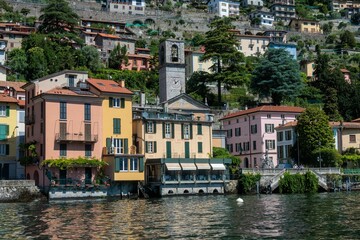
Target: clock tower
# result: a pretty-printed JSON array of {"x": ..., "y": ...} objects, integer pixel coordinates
[{"x": 172, "y": 69}]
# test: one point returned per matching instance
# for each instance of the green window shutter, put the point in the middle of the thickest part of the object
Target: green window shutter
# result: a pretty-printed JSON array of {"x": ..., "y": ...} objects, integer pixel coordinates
[
  {"x": 3, "y": 134},
  {"x": 168, "y": 149},
  {"x": 119, "y": 125},
  {"x": 122, "y": 100},
  {"x": 182, "y": 131},
  {"x": 200, "y": 147},
  {"x": 108, "y": 144},
  {"x": 7, "y": 111},
  {"x": 110, "y": 102},
  {"x": 117, "y": 164},
  {"x": 187, "y": 150},
  {"x": 154, "y": 126},
  {"x": 191, "y": 131},
  {"x": 7, "y": 130},
  {"x": 146, "y": 127},
  {"x": 146, "y": 147},
  {"x": 172, "y": 130},
  {"x": 163, "y": 129},
  {"x": 154, "y": 143},
  {"x": 199, "y": 128},
  {"x": 141, "y": 164},
  {"x": 116, "y": 125},
  {"x": 126, "y": 146},
  {"x": 7, "y": 149}
]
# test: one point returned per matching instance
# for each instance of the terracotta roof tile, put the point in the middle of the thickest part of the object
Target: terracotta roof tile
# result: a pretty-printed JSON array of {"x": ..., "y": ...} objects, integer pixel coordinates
[
  {"x": 69, "y": 92},
  {"x": 265, "y": 109},
  {"x": 344, "y": 70},
  {"x": 109, "y": 86},
  {"x": 7, "y": 99},
  {"x": 108, "y": 35},
  {"x": 16, "y": 85},
  {"x": 21, "y": 103}
]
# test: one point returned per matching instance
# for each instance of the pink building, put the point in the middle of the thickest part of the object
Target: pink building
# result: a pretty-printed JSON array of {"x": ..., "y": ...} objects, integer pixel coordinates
[
  {"x": 62, "y": 121},
  {"x": 346, "y": 74},
  {"x": 251, "y": 133},
  {"x": 138, "y": 61}
]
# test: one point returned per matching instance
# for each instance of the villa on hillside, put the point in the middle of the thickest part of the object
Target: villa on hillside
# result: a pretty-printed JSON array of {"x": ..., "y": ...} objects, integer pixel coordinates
[
  {"x": 224, "y": 8},
  {"x": 251, "y": 133}
]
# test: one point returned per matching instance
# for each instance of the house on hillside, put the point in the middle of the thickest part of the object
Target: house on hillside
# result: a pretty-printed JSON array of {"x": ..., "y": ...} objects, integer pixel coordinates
[
  {"x": 133, "y": 7},
  {"x": 255, "y": 3},
  {"x": 305, "y": 26},
  {"x": 252, "y": 45},
  {"x": 251, "y": 133},
  {"x": 266, "y": 18},
  {"x": 283, "y": 10},
  {"x": 224, "y": 8}
]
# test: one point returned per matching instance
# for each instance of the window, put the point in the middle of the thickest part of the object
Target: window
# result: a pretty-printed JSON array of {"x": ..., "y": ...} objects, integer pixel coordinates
[
  {"x": 253, "y": 129},
  {"x": 254, "y": 145},
  {"x": 22, "y": 117},
  {"x": 229, "y": 147},
  {"x": 3, "y": 110},
  {"x": 288, "y": 151},
  {"x": 134, "y": 164},
  {"x": 87, "y": 111},
  {"x": 186, "y": 131},
  {"x": 237, "y": 132},
  {"x": 167, "y": 129},
  {"x": 200, "y": 147},
  {"x": 199, "y": 129},
  {"x": 4, "y": 149},
  {"x": 282, "y": 116},
  {"x": 72, "y": 80},
  {"x": 123, "y": 164},
  {"x": 87, "y": 150},
  {"x": 280, "y": 136},
  {"x": 118, "y": 145},
  {"x": 352, "y": 138},
  {"x": 269, "y": 128},
  {"x": 238, "y": 147},
  {"x": 116, "y": 125},
  {"x": 116, "y": 6},
  {"x": 268, "y": 115},
  {"x": 63, "y": 149},
  {"x": 288, "y": 135},
  {"x": 229, "y": 133},
  {"x": 270, "y": 144},
  {"x": 150, "y": 127},
  {"x": 150, "y": 147},
  {"x": 63, "y": 111},
  {"x": 280, "y": 151},
  {"x": 117, "y": 102},
  {"x": 246, "y": 146}
]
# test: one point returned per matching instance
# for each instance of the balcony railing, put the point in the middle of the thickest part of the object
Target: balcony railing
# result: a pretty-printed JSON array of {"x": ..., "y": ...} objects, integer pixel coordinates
[
  {"x": 30, "y": 119},
  {"x": 76, "y": 137}
]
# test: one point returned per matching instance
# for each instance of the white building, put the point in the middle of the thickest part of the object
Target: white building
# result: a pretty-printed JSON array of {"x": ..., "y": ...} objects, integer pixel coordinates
[
  {"x": 224, "y": 8},
  {"x": 135, "y": 7},
  {"x": 257, "y": 3},
  {"x": 266, "y": 18}
]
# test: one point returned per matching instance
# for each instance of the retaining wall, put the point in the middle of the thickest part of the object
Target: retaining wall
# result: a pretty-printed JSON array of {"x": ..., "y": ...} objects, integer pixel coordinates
[{"x": 15, "y": 190}]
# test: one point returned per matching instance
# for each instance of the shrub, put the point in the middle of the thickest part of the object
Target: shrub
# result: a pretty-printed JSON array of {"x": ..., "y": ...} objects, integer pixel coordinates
[{"x": 247, "y": 182}]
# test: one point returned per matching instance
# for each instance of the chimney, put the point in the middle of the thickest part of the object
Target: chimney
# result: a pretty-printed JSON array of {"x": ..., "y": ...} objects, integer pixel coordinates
[{"x": 122, "y": 83}]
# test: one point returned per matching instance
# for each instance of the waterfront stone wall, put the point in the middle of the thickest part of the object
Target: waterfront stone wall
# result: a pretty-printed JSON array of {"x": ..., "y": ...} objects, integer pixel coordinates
[
  {"x": 18, "y": 190},
  {"x": 232, "y": 187}
]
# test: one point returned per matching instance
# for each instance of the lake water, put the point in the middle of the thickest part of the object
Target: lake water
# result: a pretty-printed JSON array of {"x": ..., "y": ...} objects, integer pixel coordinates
[{"x": 317, "y": 216}]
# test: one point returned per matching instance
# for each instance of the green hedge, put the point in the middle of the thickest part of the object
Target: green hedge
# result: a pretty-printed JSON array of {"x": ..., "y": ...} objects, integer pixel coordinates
[
  {"x": 247, "y": 182},
  {"x": 298, "y": 183}
]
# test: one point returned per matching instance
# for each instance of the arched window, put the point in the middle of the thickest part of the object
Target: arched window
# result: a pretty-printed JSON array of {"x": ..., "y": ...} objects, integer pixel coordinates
[{"x": 174, "y": 53}]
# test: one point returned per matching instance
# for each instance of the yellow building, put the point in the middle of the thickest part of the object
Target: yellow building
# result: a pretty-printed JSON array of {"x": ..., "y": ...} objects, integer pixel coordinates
[
  {"x": 305, "y": 26},
  {"x": 8, "y": 137},
  {"x": 125, "y": 166},
  {"x": 193, "y": 63},
  {"x": 308, "y": 67},
  {"x": 176, "y": 139}
]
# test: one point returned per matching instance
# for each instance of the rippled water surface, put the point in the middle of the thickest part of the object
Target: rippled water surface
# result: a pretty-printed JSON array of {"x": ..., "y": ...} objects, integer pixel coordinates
[{"x": 319, "y": 216}]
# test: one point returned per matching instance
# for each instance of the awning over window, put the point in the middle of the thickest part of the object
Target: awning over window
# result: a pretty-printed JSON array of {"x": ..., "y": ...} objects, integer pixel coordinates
[
  {"x": 203, "y": 166},
  {"x": 217, "y": 166},
  {"x": 173, "y": 166},
  {"x": 188, "y": 166}
]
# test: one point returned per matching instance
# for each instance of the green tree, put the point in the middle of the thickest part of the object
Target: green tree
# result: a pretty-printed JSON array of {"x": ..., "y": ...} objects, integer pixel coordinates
[
  {"x": 37, "y": 64},
  {"x": 223, "y": 153},
  {"x": 277, "y": 76},
  {"x": 327, "y": 28},
  {"x": 91, "y": 58},
  {"x": 314, "y": 134},
  {"x": 58, "y": 18},
  {"x": 347, "y": 39},
  {"x": 16, "y": 60},
  {"x": 141, "y": 43},
  {"x": 197, "y": 87},
  {"x": 220, "y": 44},
  {"x": 118, "y": 56},
  {"x": 355, "y": 19}
]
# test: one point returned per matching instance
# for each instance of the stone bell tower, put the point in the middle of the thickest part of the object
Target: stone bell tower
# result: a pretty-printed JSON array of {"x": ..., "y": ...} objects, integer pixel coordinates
[{"x": 172, "y": 69}]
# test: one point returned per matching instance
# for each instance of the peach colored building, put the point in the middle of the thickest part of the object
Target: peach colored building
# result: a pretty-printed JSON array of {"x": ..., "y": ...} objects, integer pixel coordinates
[{"x": 139, "y": 61}]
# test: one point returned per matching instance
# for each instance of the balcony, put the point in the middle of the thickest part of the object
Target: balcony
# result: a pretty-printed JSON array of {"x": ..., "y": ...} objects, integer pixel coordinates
[
  {"x": 30, "y": 119},
  {"x": 76, "y": 137}
]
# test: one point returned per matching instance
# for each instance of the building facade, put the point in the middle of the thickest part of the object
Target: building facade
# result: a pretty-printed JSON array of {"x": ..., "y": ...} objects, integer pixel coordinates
[
  {"x": 305, "y": 26},
  {"x": 134, "y": 7},
  {"x": 251, "y": 134},
  {"x": 224, "y": 8},
  {"x": 252, "y": 45},
  {"x": 283, "y": 10},
  {"x": 266, "y": 18},
  {"x": 193, "y": 63},
  {"x": 255, "y": 3}
]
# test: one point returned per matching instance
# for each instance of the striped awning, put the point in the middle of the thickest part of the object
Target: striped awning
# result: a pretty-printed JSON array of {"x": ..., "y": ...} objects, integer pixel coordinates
[
  {"x": 173, "y": 166},
  {"x": 218, "y": 166},
  {"x": 203, "y": 166},
  {"x": 188, "y": 166}
]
